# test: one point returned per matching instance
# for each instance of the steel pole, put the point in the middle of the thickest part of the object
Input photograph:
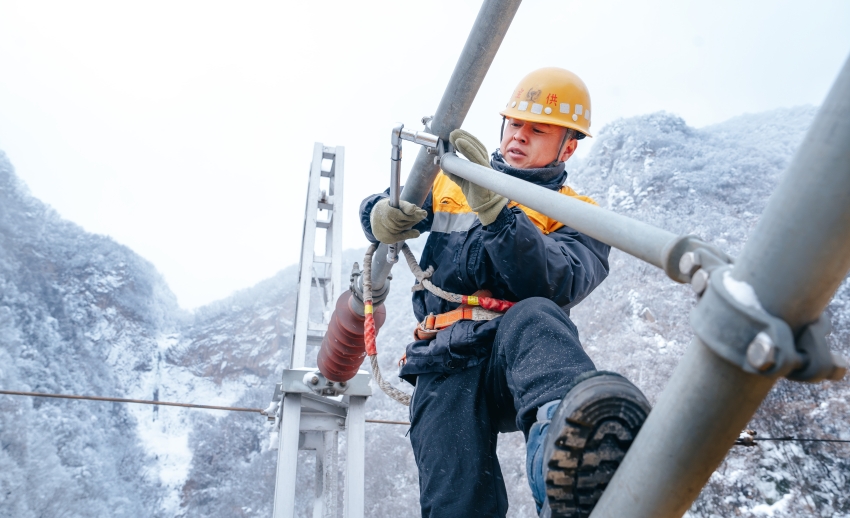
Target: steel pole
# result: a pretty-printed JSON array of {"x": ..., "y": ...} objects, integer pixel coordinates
[
  {"x": 483, "y": 42},
  {"x": 796, "y": 259},
  {"x": 639, "y": 239}
]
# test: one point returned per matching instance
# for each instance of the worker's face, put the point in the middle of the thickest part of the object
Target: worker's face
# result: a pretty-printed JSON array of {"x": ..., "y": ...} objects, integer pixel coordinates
[{"x": 527, "y": 145}]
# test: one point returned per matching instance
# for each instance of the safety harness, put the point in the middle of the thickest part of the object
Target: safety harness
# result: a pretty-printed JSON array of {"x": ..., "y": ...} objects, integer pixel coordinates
[{"x": 479, "y": 306}]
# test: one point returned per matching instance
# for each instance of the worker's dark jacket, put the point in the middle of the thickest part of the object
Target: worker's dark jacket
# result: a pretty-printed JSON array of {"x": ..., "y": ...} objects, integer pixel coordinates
[{"x": 520, "y": 255}]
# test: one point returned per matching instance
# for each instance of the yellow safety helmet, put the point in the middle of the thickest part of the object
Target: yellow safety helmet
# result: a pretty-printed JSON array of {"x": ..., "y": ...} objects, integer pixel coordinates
[{"x": 551, "y": 96}]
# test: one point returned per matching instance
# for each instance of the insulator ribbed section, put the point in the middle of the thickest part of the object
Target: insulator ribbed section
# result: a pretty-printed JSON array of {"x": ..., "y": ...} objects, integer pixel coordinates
[{"x": 343, "y": 348}]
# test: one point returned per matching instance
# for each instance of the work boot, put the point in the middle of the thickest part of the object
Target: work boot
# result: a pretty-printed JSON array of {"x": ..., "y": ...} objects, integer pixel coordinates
[{"x": 577, "y": 443}]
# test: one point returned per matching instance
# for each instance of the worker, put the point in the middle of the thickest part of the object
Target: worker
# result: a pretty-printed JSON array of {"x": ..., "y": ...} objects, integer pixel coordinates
[{"x": 524, "y": 370}]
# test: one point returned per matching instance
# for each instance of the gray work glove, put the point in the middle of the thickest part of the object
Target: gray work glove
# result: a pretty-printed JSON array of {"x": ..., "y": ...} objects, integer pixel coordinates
[
  {"x": 483, "y": 201},
  {"x": 394, "y": 225}
]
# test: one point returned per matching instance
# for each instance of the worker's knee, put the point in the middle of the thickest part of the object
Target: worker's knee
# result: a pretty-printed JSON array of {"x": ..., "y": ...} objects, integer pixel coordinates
[
  {"x": 536, "y": 321},
  {"x": 536, "y": 310}
]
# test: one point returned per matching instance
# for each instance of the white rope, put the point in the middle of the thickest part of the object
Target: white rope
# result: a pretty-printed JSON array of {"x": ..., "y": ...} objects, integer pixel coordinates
[
  {"x": 396, "y": 394},
  {"x": 388, "y": 389}
]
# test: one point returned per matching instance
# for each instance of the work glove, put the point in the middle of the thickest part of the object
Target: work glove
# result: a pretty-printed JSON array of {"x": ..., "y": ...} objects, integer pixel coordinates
[
  {"x": 393, "y": 225},
  {"x": 486, "y": 203}
]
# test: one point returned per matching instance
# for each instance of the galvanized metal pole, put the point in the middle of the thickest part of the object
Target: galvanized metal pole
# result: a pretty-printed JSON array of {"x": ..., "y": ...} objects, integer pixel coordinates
[
  {"x": 796, "y": 259},
  {"x": 329, "y": 475},
  {"x": 297, "y": 355},
  {"x": 285, "y": 480},
  {"x": 355, "y": 484},
  {"x": 634, "y": 237},
  {"x": 475, "y": 59}
]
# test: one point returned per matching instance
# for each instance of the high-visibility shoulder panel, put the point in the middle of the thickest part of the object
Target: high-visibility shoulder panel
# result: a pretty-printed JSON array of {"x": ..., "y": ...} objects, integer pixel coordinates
[
  {"x": 545, "y": 223},
  {"x": 453, "y": 214}
]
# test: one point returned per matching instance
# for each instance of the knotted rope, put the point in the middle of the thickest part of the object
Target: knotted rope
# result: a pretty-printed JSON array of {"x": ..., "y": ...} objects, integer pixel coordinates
[{"x": 495, "y": 306}]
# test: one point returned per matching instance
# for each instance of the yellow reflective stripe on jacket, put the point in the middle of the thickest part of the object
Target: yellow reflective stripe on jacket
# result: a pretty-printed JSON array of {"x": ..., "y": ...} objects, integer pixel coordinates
[{"x": 453, "y": 214}]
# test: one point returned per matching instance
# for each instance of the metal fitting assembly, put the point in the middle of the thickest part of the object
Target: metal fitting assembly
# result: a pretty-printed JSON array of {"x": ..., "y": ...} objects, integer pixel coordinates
[
  {"x": 400, "y": 134},
  {"x": 730, "y": 320},
  {"x": 699, "y": 281},
  {"x": 315, "y": 382},
  {"x": 761, "y": 353},
  {"x": 356, "y": 288},
  {"x": 685, "y": 257},
  {"x": 689, "y": 263}
]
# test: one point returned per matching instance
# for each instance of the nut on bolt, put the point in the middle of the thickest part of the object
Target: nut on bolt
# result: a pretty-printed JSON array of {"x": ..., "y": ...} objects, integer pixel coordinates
[
  {"x": 761, "y": 353},
  {"x": 699, "y": 281},
  {"x": 314, "y": 380},
  {"x": 689, "y": 263}
]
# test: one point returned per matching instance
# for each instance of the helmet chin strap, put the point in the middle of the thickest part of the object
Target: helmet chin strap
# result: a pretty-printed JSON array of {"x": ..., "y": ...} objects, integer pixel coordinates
[{"x": 560, "y": 148}]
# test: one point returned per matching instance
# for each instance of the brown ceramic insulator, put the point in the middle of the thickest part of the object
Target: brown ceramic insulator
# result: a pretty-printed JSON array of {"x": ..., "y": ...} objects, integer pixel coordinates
[{"x": 343, "y": 348}]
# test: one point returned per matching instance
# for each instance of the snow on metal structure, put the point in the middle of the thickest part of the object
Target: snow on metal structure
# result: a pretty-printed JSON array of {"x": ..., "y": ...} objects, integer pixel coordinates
[{"x": 311, "y": 410}]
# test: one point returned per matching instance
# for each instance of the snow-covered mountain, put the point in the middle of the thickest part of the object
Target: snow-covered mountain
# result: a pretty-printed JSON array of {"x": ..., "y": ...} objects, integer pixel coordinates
[{"x": 81, "y": 314}]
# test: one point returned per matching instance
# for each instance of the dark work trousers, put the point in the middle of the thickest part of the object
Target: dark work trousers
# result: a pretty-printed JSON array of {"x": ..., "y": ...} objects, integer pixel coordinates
[{"x": 455, "y": 418}]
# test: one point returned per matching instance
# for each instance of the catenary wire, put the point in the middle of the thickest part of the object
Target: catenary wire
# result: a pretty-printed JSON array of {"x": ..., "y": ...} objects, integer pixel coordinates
[
  {"x": 794, "y": 439},
  {"x": 262, "y": 411},
  {"x": 164, "y": 403}
]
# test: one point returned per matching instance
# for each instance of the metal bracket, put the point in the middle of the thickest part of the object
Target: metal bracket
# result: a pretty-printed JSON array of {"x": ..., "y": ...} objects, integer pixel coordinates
[
  {"x": 443, "y": 147},
  {"x": 684, "y": 257},
  {"x": 819, "y": 362},
  {"x": 311, "y": 381},
  {"x": 733, "y": 322},
  {"x": 730, "y": 320},
  {"x": 356, "y": 288},
  {"x": 426, "y": 121}
]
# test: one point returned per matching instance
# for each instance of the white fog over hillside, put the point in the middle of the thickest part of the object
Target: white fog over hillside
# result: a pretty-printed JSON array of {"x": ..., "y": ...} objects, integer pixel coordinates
[{"x": 82, "y": 314}]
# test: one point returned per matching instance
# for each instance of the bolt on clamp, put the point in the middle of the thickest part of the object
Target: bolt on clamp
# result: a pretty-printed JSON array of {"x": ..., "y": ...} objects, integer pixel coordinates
[
  {"x": 730, "y": 320},
  {"x": 689, "y": 259},
  {"x": 322, "y": 386}
]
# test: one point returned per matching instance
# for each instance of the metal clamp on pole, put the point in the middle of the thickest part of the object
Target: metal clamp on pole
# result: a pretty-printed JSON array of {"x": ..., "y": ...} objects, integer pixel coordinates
[
  {"x": 400, "y": 134},
  {"x": 731, "y": 321},
  {"x": 356, "y": 288},
  {"x": 689, "y": 259}
]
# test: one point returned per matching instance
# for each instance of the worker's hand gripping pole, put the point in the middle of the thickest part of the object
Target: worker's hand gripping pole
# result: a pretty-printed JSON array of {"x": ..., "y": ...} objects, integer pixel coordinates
[{"x": 398, "y": 135}]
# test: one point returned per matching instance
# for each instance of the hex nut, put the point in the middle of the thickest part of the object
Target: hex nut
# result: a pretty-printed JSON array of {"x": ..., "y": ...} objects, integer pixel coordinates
[
  {"x": 699, "y": 281},
  {"x": 314, "y": 380},
  {"x": 342, "y": 384},
  {"x": 689, "y": 263},
  {"x": 761, "y": 353}
]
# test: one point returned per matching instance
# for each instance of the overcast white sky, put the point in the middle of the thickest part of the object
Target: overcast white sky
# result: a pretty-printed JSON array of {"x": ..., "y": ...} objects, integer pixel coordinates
[{"x": 184, "y": 129}]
